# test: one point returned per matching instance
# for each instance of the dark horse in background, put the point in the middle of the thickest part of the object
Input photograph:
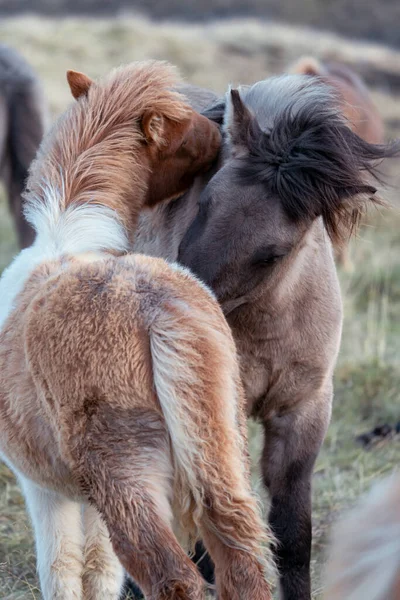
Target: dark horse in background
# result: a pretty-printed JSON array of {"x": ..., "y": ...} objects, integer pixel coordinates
[
  {"x": 23, "y": 117},
  {"x": 292, "y": 178}
]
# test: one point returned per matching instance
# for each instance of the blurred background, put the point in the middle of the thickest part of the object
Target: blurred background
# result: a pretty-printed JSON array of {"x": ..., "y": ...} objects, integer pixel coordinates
[{"x": 214, "y": 43}]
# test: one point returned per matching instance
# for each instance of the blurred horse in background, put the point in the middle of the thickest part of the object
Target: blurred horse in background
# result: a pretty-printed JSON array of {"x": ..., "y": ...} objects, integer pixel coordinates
[
  {"x": 23, "y": 118},
  {"x": 365, "y": 558},
  {"x": 356, "y": 105}
]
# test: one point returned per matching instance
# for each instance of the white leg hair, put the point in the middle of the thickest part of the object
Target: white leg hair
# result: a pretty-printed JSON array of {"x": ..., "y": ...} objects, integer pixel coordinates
[
  {"x": 57, "y": 524},
  {"x": 103, "y": 575}
]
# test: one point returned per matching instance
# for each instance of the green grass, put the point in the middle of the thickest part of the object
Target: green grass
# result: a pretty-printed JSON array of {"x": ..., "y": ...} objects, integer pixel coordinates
[{"x": 367, "y": 380}]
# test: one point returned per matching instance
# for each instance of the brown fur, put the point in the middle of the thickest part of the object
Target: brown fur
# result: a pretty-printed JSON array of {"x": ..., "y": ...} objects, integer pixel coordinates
[
  {"x": 119, "y": 383},
  {"x": 99, "y": 140},
  {"x": 84, "y": 423}
]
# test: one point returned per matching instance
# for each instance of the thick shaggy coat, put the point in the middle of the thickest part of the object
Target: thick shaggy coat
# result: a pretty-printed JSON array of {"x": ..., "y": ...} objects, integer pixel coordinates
[
  {"x": 121, "y": 408},
  {"x": 292, "y": 176}
]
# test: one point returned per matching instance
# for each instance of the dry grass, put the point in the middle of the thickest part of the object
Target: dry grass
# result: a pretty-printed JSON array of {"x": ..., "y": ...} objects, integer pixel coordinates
[{"x": 368, "y": 375}]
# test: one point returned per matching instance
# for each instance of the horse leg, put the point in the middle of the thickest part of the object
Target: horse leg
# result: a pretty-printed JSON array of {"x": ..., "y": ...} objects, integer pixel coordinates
[
  {"x": 57, "y": 526},
  {"x": 291, "y": 445},
  {"x": 131, "y": 588},
  {"x": 103, "y": 574},
  {"x": 25, "y": 232},
  {"x": 125, "y": 467},
  {"x": 204, "y": 563},
  {"x": 238, "y": 574}
]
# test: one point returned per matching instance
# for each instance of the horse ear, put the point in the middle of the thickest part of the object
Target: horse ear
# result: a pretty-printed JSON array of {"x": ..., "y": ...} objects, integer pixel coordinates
[
  {"x": 153, "y": 127},
  {"x": 79, "y": 83},
  {"x": 307, "y": 65},
  {"x": 238, "y": 120}
]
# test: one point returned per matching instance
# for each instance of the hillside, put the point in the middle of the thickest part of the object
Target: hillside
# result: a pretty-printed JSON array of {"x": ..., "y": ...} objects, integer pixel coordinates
[{"x": 378, "y": 21}]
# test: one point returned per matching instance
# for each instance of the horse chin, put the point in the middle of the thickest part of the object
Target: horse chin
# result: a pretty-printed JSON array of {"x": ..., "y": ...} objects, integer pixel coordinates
[{"x": 231, "y": 305}]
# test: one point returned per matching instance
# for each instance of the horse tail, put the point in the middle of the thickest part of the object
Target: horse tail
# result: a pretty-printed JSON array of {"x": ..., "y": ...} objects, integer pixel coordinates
[
  {"x": 197, "y": 382},
  {"x": 27, "y": 124}
]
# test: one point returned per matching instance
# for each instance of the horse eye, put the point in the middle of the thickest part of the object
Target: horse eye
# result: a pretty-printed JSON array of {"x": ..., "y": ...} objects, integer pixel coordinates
[{"x": 265, "y": 261}]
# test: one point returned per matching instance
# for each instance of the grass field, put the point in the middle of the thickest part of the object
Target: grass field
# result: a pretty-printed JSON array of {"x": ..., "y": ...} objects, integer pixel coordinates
[{"x": 368, "y": 371}]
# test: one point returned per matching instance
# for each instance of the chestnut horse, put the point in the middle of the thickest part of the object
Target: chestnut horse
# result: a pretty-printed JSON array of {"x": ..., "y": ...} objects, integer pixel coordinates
[
  {"x": 23, "y": 117},
  {"x": 356, "y": 105},
  {"x": 121, "y": 407},
  {"x": 258, "y": 229},
  {"x": 365, "y": 557}
]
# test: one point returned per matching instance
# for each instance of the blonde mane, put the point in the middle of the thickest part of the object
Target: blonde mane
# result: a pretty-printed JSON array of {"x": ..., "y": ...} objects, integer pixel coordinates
[{"x": 88, "y": 156}]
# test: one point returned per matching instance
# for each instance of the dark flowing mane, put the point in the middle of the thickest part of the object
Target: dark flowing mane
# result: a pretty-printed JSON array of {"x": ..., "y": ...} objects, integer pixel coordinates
[{"x": 309, "y": 157}]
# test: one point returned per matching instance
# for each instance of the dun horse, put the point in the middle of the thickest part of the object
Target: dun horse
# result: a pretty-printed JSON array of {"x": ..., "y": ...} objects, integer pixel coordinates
[
  {"x": 365, "y": 560},
  {"x": 119, "y": 385},
  {"x": 22, "y": 125},
  {"x": 356, "y": 104},
  {"x": 292, "y": 178}
]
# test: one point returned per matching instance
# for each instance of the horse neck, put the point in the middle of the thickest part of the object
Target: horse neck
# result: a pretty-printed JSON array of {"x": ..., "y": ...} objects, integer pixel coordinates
[
  {"x": 162, "y": 229},
  {"x": 88, "y": 199},
  {"x": 309, "y": 263}
]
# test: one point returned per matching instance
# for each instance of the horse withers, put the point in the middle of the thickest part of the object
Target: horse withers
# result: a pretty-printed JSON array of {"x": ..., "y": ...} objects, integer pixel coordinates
[
  {"x": 23, "y": 120},
  {"x": 121, "y": 406},
  {"x": 258, "y": 230}
]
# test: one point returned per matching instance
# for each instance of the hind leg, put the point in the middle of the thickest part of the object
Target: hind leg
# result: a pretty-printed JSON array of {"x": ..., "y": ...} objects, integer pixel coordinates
[
  {"x": 240, "y": 570},
  {"x": 59, "y": 542},
  {"x": 103, "y": 574},
  {"x": 204, "y": 563},
  {"x": 230, "y": 524},
  {"x": 124, "y": 463},
  {"x": 132, "y": 589}
]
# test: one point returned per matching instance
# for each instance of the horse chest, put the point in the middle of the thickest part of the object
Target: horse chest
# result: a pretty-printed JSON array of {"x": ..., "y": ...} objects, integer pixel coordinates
[
  {"x": 254, "y": 378},
  {"x": 268, "y": 366},
  {"x": 262, "y": 368}
]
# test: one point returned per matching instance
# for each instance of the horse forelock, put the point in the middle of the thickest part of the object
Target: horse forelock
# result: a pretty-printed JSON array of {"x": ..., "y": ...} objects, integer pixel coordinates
[{"x": 299, "y": 146}]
